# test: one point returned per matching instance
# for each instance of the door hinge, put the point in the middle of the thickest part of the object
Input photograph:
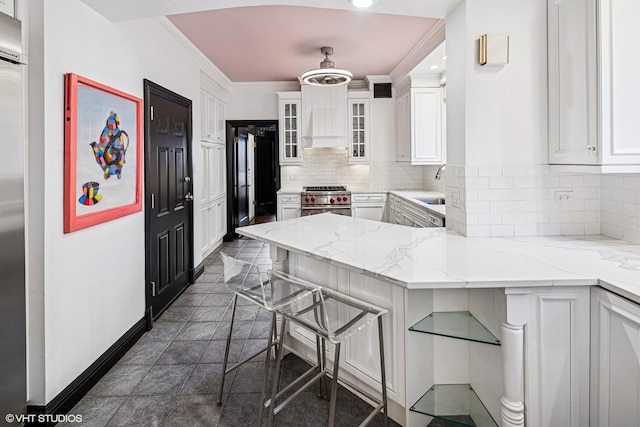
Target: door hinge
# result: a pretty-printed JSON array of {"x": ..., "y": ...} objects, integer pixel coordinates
[
  {"x": 254, "y": 203},
  {"x": 237, "y": 222},
  {"x": 151, "y": 113},
  {"x": 254, "y": 145},
  {"x": 153, "y": 289},
  {"x": 235, "y": 139}
]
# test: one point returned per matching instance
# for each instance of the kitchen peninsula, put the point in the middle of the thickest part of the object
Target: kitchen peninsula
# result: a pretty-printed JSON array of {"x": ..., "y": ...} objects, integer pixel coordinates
[{"x": 533, "y": 295}]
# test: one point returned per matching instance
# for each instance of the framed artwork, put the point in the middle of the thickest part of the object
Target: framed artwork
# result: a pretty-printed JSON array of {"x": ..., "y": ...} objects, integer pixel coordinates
[{"x": 102, "y": 153}]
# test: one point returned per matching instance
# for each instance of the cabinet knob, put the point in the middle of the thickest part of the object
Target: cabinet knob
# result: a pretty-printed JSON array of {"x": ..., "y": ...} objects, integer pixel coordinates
[{"x": 591, "y": 148}]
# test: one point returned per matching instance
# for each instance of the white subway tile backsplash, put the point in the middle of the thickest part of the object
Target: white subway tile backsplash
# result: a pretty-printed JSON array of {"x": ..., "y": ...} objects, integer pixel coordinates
[
  {"x": 500, "y": 182},
  {"x": 489, "y": 218},
  {"x": 521, "y": 201}
]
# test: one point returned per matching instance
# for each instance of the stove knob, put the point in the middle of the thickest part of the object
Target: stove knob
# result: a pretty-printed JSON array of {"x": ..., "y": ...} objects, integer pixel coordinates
[
  {"x": 332, "y": 201},
  {"x": 344, "y": 199},
  {"x": 306, "y": 199},
  {"x": 339, "y": 199},
  {"x": 313, "y": 199}
]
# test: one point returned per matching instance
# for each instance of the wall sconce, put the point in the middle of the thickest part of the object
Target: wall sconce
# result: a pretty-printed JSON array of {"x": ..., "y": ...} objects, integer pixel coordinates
[{"x": 494, "y": 50}]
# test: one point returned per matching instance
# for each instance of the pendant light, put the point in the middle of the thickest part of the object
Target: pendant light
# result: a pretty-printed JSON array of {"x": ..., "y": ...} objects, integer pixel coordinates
[{"x": 326, "y": 75}]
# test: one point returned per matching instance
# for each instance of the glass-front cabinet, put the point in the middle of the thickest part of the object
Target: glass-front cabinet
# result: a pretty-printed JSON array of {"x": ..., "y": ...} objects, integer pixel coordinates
[
  {"x": 289, "y": 111},
  {"x": 358, "y": 130}
]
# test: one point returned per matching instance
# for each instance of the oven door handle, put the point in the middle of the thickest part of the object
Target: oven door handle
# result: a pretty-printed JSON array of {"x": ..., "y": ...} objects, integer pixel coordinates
[{"x": 327, "y": 207}]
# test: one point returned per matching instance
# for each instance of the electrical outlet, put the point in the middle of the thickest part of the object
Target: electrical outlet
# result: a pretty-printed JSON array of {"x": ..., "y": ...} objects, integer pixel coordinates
[
  {"x": 563, "y": 196},
  {"x": 455, "y": 198}
]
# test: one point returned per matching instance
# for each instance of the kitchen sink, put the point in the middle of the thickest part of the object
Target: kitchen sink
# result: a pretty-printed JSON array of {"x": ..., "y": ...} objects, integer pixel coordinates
[{"x": 431, "y": 200}]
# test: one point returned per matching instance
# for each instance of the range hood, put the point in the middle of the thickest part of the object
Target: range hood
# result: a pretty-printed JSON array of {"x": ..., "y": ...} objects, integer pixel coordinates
[{"x": 324, "y": 116}]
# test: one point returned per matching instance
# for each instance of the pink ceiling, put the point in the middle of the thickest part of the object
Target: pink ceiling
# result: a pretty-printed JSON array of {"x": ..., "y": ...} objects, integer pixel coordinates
[{"x": 279, "y": 43}]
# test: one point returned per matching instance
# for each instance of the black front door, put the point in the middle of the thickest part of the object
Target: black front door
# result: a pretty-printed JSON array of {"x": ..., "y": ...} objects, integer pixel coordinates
[{"x": 169, "y": 207}]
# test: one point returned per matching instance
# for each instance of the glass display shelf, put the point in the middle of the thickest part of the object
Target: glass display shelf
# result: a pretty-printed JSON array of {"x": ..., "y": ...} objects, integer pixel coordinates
[
  {"x": 455, "y": 324},
  {"x": 456, "y": 403}
]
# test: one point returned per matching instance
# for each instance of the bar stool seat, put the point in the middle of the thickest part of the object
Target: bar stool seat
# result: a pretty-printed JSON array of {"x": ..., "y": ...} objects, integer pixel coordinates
[{"x": 331, "y": 316}]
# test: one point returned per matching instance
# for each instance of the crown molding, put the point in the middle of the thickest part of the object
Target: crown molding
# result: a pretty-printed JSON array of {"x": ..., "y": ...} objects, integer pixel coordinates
[{"x": 425, "y": 46}]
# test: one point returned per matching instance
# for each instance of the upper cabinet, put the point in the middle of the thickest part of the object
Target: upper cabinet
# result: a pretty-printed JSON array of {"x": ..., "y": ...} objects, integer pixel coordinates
[
  {"x": 358, "y": 120},
  {"x": 289, "y": 112},
  {"x": 594, "y": 94},
  {"x": 212, "y": 122},
  {"x": 419, "y": 122}
]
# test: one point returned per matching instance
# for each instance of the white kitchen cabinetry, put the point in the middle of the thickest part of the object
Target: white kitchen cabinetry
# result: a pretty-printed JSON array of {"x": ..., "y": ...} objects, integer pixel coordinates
[
  {"x": 212, "y": 124},
  {"x": 289, "y": 111},
  {"x": 358, "y": 136},
  {"x": 403, "y": 212},
  {"x": 615, "y": 360},
  {"x": 369, "y": 206},
  {"x": 213, "y": 195},
  {"x": 288, "y": 206},
  {"x": 419, "y": 124},
  {"x": 594, "y": 93}
]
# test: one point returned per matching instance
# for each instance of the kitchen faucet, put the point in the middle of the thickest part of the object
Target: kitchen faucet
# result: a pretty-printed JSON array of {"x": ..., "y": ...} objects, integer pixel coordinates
[{"x": 441, "y": 169}]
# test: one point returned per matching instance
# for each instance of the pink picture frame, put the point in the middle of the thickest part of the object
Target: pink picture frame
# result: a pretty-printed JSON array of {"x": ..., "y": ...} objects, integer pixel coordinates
[{"x": 102, "y": 153}]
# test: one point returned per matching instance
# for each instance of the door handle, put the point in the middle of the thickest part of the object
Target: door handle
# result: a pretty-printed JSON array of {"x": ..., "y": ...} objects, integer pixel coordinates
[{"x": 188, "y": 197}]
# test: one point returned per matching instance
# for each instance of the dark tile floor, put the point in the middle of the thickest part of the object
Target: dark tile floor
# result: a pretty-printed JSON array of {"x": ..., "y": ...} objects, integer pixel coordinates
[{"x": 171, "y": 375}]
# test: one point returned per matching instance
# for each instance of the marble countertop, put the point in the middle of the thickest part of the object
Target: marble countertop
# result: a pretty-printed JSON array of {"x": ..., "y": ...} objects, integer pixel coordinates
[{"x": 423, "y": 258}]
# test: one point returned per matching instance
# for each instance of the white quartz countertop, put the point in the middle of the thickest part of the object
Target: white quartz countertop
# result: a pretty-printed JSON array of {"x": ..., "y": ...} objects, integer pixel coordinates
[{"x": 422, "y": 258}]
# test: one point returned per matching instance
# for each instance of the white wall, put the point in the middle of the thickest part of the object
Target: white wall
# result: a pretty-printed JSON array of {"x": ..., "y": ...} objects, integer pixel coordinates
[
  {"x": 89, "y": 284},
  {"x": 256, "y": 101}
]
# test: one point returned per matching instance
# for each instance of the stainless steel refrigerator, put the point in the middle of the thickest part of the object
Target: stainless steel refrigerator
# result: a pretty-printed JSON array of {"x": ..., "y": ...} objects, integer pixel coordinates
[{"x": 13, "y": 372}]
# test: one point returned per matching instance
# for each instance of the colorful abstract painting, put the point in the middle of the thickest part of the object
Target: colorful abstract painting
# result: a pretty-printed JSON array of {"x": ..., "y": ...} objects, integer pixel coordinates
[{"x": 103, "y": 152}]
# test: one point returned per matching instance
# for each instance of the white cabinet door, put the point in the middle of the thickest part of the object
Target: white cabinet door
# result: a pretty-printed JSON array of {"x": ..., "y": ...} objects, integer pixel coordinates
[
  {"x": 615, "y": 360},
  {"x": 211, "y": 118},
  {"x": 358, "y": 136},
  {"x": 220, "y": 128},
  {"x": 594, "y": 91},
  {"x": 403, "y": 124},
  {"x": 290, "y": 132},
  {"x": 426, "y": 126},
  {"x": 374, "y": 212},
  {"x": 288, "y": 206},
  {"x": 419, "y": 123},
  {"x": 369, "y": 206},
  {"x": 572, "y": 82},
  {"x": 620, "y": 86},
  {"x": 219, "y": 170},
  {"x": 221, "y": 218},
  {"x": 204, "y": 223}
]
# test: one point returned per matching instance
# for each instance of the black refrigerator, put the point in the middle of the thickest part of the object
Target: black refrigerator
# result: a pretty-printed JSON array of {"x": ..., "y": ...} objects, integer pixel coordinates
[{"x": 13, "y": 371}]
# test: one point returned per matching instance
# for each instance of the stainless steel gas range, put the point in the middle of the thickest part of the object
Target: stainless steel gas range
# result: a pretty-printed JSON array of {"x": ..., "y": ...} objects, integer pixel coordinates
[{"x": 330, "y": 198}]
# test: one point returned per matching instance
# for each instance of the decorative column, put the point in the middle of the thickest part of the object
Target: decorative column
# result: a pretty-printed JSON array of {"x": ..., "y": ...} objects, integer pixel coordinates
[
  {"x": 512, "y": 337},
  {"x": 278, "y": 258}
]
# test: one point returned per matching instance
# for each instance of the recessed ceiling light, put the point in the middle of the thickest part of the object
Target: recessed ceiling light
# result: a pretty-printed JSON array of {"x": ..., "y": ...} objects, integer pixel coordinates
[
  {"x": 434, "y": 67},
  {"x": 362, "y": 3}
]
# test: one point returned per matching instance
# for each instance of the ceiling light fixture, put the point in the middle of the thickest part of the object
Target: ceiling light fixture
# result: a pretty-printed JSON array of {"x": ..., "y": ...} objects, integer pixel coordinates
[
  {"x": 326, "y": 75},
  {"x": 362, "y": 3}
]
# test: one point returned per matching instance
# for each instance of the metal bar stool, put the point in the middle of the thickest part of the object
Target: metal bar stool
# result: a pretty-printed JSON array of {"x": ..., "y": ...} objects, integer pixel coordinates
[
  {"x": 332, "y": 316},
  {"x": 247, "y": 282}
]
